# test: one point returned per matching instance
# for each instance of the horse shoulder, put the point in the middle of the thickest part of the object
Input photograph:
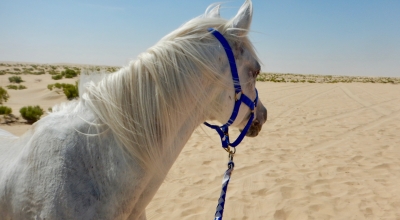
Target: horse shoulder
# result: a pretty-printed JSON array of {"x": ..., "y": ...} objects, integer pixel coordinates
[{"x": 87, "y": 175}]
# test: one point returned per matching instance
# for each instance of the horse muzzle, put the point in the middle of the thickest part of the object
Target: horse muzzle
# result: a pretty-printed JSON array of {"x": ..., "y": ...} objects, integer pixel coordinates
[{"x": 258, "y": 122}]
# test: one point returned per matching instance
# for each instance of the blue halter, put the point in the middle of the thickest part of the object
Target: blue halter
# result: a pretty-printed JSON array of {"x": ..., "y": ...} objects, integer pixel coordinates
[{"x": 223, "y": 130}]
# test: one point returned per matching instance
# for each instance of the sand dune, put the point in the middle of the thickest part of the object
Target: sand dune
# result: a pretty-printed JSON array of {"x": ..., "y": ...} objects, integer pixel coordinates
[{"x": 327, "y": 151}]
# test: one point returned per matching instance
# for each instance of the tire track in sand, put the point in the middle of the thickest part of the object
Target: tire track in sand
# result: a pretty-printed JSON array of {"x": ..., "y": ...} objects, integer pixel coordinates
[
  {"x": 363, "y": 127},
  {"x": 338, "y": 116},
  {"x": 304, "y": 101},
  {"x": 362, "y": 102}
]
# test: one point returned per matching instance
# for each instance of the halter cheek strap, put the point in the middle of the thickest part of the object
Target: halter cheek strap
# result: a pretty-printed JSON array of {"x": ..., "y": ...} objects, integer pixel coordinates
[{"x": 223, "y": 130}]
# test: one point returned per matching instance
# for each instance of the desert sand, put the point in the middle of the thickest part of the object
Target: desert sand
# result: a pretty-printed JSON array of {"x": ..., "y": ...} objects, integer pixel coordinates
[{"x": 327, "y": 151}]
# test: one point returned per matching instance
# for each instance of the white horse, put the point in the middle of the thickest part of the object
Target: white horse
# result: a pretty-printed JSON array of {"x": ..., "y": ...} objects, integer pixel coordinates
[{"x": 105, "y": 156}]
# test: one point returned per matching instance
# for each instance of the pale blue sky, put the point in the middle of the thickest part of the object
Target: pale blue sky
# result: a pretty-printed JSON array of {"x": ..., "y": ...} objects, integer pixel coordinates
[{"x": 341, "y": 37}]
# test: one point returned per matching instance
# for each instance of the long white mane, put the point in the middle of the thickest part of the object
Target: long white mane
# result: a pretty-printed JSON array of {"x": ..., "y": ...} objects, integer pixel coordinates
[{"x": 142, "y": 102}]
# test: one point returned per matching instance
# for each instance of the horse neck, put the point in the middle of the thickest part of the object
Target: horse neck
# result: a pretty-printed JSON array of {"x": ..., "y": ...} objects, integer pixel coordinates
[{"x": 152, "y": 114}]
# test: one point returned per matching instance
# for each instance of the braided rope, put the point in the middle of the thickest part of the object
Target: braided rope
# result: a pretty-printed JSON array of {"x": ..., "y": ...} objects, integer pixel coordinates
[{"x": 225, "y": 181}]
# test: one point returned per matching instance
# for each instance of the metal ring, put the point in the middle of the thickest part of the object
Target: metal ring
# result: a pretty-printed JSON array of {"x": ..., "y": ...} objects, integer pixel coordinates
[{"x": 232, "y": 152}]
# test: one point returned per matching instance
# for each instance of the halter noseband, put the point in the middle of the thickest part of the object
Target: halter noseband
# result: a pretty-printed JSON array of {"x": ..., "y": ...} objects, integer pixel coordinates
[{"x": 223, "y": 130}]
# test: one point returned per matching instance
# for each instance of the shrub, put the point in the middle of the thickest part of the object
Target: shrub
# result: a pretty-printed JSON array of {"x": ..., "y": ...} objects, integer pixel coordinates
[
  {"x": 71, "y": 91},
  {"x": 3, "y": 95},
  {"x": 12, "y": 87},
  {"x": 19, "y": 87},
  {"x": 59, "y": 85},
  {"x": 4, "y": 110},
  {"x": 15, "y": 79},
  {"x": 68, "y": 73},
  {"x": 53, "y": 72},
  {"x": 57, "y": 77},
  {"x": 41, "y": 72},
  {"x": 31, "y": 113}
]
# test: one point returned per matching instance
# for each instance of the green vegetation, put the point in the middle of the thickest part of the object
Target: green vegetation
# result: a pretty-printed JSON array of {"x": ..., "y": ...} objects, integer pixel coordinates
[
  {"x": 53, "y": 72},
  {"x": 19, "y": 87},
  {"x": 71, "y": 91},
  {"x": 31, "y": 113},
  {"x": 69, "y": 73},
  {"x": 4, "y": 96},
  {"x": 40, "y": 72},
  {"x": 301, "y": 78},
  {"x": 57, "y": 77},
  {"x": 4, "y": 110},
  {"x": 15, "y": 79}
]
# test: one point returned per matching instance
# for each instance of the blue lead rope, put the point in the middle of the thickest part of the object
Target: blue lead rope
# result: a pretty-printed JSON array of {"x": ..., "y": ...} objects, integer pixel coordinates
[{"x": 225, "y": 181}]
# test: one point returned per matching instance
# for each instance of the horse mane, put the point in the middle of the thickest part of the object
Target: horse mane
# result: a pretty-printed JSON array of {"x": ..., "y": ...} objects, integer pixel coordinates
[{"x": 144, "y": 102}]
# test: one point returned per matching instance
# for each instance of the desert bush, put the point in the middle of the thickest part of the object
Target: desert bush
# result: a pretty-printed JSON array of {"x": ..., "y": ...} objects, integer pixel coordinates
[
  {"x": 40, "y": 72},
  {"x": 4, "y": 110},
  {"x": 4, "y": 96},
  {"x": 71, "y": 91},
  {"x": 53, "y": 72},
  {"x": 31, "y": 113},
  {"x": 59, "y": 85},
  {"x": 12, "y": 87},
  {"x": 69, "y": 73},
  {"x": 15, "y": 79},
  {"x": 19, "y": 87},
  {"x": 57, "y": 77}
]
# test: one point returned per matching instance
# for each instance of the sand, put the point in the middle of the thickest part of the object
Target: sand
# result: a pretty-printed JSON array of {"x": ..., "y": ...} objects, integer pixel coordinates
[{"x": 327, "y": 151}]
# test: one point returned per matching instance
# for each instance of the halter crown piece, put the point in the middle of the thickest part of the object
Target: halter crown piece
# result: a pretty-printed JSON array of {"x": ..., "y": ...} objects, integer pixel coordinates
[{"x": 223, "y": 130}]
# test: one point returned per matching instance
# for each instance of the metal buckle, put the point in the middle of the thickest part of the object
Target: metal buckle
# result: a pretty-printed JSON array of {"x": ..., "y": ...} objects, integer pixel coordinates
[{"x": 230, "y": 152}]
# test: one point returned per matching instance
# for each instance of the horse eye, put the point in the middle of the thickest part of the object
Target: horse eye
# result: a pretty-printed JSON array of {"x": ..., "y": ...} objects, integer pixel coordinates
[{"x": 256, "y": 73}]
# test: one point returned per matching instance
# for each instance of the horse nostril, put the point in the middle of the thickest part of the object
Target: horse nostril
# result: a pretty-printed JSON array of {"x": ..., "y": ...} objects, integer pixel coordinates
[{"x": 256, "y": 123}]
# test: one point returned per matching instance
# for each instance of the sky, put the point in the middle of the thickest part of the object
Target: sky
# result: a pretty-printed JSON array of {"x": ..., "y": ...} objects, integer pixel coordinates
[{"x": 330, "y": 37}]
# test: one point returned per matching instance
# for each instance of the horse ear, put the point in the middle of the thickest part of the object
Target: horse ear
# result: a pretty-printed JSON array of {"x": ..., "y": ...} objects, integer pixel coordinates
[
  {"x": 213, "y": 11},
  {"x": 242, "y": 21}
]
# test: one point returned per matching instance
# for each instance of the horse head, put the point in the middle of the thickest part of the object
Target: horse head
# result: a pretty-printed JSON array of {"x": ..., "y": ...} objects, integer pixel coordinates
[{"x": 248, "y": 68}]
